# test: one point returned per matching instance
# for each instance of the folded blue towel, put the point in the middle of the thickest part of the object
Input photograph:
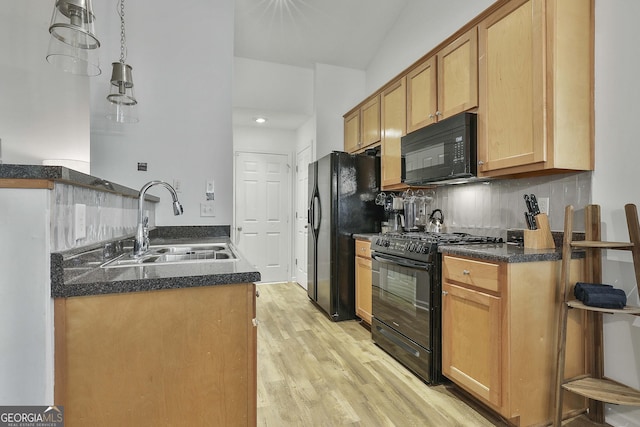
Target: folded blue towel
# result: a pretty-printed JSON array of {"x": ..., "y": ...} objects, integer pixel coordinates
[
  {"x": 581, "y": 288},
  {"x": 605, "y": 298}
]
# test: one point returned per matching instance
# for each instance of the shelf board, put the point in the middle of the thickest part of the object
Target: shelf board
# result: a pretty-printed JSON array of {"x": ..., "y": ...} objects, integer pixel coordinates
[
  {"x": 597, "y": 244},
  {"x": 604, "y": 390},
  {"x": 626, "y": 310}
]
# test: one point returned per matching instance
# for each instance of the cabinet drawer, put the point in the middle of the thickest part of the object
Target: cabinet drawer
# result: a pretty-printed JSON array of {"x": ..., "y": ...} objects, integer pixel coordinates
[
  {"x": 363, "y": 248},
  {"x": 480, "y": 274}
]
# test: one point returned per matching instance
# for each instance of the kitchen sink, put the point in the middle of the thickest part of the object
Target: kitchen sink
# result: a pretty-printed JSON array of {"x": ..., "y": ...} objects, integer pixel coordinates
[{"x": 176, "y": 254}]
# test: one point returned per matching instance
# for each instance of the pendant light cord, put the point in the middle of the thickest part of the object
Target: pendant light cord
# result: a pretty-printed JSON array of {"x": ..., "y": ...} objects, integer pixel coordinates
[{"x": 123, "y": 49}]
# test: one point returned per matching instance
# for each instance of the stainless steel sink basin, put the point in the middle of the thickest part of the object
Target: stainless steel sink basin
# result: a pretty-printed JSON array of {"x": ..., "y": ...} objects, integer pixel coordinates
[{"x": 176, "y": 254}]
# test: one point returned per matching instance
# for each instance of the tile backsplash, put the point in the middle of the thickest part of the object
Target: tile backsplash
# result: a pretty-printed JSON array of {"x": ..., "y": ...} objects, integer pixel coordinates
[
  {"x": 108, "y": 216},
  {"x": 491, "y": 207}
]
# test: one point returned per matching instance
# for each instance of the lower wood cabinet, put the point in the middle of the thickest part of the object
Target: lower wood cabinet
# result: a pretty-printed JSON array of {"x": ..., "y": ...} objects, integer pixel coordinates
[
  {"x": 499, "y": 325},
  {"x": 168, "y": 357},
  {"x": 363, "y": 280}
]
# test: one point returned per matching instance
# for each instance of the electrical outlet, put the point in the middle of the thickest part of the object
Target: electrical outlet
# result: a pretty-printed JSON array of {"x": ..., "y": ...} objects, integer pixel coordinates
[
  {"x": 543, "y": 204},
  {"x": 206, "y": 209},
  {"x": 80, "y": 221}
]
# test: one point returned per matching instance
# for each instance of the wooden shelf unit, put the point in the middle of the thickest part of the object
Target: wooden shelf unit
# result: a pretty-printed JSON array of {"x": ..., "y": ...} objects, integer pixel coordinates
[{"x": 595, "y": 386}]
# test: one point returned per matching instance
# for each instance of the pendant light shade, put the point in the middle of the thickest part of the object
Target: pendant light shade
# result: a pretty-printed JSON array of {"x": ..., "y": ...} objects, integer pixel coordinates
[
  {"x": 73, "y": 45},
  {"x": 121, "y": 98},
  {"x": 122, "y": 102}
]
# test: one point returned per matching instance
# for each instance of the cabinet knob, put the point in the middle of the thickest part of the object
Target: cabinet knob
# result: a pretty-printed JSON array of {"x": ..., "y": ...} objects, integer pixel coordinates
[
  {"x": 257, "y": 294},
  {"x": 445, "y": 293},
  {"x": 480, "y": 162},
  {"x": 438, "y": 113},
  {"x": 466, "y": 272},
  {"x": 431, "y": 116}
]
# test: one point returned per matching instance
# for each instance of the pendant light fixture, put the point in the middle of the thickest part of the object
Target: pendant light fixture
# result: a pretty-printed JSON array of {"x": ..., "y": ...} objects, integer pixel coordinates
[
  {"x": 73, "y": 45},
  {"x": 122, "y": 102}
]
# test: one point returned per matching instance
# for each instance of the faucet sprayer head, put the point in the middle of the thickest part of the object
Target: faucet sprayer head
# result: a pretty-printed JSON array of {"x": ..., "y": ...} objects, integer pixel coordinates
[{"x": 177, "y": 208}]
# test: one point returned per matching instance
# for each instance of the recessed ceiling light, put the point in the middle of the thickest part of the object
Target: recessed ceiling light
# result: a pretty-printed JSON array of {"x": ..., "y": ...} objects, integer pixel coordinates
[{"x": 261, "y": 120}]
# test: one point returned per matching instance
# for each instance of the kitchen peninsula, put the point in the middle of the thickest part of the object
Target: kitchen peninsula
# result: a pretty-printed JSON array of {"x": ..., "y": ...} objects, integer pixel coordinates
[{"x": 152, "y": 344}]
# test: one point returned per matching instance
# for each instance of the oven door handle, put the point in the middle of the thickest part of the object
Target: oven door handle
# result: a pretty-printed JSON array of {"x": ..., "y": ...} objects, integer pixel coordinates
[{"x": 390, "y": 259}]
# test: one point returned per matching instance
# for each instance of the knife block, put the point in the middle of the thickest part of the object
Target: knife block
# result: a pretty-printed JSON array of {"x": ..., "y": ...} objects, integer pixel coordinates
[{"x": 540, "y": 238}]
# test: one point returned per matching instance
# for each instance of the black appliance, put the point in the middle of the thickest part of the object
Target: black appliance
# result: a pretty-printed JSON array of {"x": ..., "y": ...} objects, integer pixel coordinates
[
  {"x": 407, "y": 295},
  {"x": 342, "y": 193},
  {"x": 444, "y": 151}
]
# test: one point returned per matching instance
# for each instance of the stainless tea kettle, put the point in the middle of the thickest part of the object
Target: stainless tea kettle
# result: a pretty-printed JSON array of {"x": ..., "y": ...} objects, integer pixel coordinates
[{"x": 436, "y": 225}]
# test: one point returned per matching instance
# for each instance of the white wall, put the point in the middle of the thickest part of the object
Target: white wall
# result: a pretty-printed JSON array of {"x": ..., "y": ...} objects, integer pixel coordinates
[
  {"x": 337, "y": 90},
  {"x": 266, "y": 86},
  {"x": 615, "y": 180},
  {"x": 182, "y": 61},
  {"x": 257, "y": 140},
  {"x": 26, "y": 307},
  {"x": 44, "y": 113}
]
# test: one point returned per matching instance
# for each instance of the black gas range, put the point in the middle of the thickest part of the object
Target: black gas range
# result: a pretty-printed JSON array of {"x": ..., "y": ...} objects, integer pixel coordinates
[
  {"x": 422, "y": 246},
  {"x": 407, "y": 294}
]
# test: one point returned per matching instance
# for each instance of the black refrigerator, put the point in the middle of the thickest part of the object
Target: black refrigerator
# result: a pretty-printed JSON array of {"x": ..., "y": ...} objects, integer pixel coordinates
[{"x": 342, "y": 193}]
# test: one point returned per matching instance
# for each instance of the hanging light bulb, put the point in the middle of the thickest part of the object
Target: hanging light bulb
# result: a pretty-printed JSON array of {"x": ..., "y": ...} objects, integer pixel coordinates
[
  {"x": 122, "y": 102},
  {"x": 73, "y": 44}
]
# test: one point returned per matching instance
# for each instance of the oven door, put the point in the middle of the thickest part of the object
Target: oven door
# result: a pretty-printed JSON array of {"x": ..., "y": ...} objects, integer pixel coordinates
[{"x": 401, "y": 296}]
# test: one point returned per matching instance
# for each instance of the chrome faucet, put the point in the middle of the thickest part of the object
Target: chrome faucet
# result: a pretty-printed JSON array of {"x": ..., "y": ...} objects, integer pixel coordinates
[{"x": 141, "y": 244}]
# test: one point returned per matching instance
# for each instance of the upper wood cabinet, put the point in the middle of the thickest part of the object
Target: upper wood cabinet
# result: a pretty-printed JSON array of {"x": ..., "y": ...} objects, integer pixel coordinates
[
  {"x": 444, "y": 84},
  {"x": 362, "y": 126},
  {"x": 393, "y": 106},
  {"x": 535, "y": 108},
  {"x": 352, "y": 131}
]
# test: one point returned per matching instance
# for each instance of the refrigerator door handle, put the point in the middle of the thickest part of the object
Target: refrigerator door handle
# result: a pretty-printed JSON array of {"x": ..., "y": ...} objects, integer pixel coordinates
[{"x": 317, "y": 226}]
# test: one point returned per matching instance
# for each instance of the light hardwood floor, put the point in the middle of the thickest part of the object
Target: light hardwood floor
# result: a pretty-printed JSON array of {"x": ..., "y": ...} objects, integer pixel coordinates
[{"x": 314, "y": 372}]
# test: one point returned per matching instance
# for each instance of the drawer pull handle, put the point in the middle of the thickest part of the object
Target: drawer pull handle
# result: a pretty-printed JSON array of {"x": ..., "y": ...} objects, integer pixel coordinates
[{"x": 466, "y": 272}]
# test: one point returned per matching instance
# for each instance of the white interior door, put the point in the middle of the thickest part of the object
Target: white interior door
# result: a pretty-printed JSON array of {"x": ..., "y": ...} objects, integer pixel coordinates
[
  {"x": 263, "y": 203},
  {"x": 301, "y": 229}
]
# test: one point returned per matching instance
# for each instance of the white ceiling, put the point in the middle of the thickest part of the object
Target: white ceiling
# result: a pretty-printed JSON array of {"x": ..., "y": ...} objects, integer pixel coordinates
[{"x": 343, "y": 33}]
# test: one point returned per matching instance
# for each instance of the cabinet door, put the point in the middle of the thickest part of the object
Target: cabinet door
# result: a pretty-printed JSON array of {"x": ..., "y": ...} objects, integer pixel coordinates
[
  {"x": 394, "y": 119},
  {"x": 511, "y": 87},
  {"x": 472, "y": 341},
  {"x": 370, "y": 122},
  {"x": 363, "y": 288},
  {"x": 458, "y": 75},
  {"x": 352, "y": 132},
  {"x": 421, "y": 95},
  {"x": 122, "y": 349}
]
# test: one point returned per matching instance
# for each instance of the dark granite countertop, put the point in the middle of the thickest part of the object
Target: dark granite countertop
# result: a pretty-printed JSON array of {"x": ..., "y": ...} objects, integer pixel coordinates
[
  {"x": 78, "y": 272},
  {"x": 504, "y": 252},
  {"x": 67, "y": 176}
]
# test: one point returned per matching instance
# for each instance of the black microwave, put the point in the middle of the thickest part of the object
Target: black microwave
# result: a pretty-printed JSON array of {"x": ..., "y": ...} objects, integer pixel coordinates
[{"x": 443, "y": 151}]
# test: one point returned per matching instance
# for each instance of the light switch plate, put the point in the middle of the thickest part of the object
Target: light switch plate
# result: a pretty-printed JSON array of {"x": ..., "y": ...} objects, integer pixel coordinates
[{"x": 80, "y": 221}]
